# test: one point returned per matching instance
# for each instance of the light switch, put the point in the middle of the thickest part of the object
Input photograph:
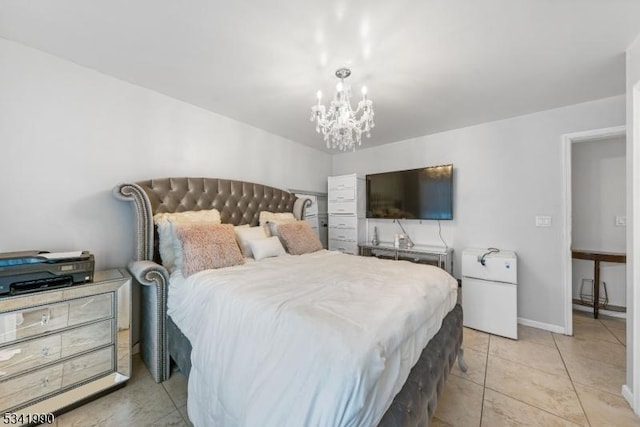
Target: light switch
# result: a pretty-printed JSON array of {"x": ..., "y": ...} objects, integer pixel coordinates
[
  {"x": 621, "y": 221},
  {"x": 543, "y": 221}
]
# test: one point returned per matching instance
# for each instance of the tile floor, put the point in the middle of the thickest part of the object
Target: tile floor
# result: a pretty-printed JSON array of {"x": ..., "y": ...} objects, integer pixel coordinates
[{"x": 543, "y": 379}]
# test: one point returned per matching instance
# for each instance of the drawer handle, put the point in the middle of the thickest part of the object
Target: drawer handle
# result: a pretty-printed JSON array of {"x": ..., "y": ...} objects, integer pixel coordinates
[
  {"x": 44, "y": 320},
  {"x": 45, "y": 351},
  {"x": 45, "y": 382}
]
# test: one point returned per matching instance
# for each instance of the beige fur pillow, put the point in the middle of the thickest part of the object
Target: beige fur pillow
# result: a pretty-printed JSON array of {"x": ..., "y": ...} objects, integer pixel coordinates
[
  {"x": 165, "y": 223},
  {"x": 278, "y": 217},
  {"x": 299, "y": 238},
  {"x": 206, "y": 246}
]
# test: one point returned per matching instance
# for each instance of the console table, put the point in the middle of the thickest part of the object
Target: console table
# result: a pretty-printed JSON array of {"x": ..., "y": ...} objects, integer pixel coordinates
[
  {"x": 442, "y": 256},
  {"x": 597, "y": 257}
]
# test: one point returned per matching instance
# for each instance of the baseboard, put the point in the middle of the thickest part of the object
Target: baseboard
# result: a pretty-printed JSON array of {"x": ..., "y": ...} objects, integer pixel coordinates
[
  {"x": 546, "y": 326},
  {"x": 609, "y": 313},
  {"x": 628, "y": 395}
]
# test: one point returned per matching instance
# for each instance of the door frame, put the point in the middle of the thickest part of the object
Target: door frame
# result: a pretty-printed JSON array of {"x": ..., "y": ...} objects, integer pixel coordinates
[{"x": 567, "y": 142}]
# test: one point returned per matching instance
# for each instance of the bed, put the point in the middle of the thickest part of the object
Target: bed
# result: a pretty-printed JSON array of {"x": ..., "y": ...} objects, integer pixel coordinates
[{"x": 163, "y": 342}]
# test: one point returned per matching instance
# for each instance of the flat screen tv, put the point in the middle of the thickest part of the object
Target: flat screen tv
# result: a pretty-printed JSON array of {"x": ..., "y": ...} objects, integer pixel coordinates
[{"x": 425, "y": 193}]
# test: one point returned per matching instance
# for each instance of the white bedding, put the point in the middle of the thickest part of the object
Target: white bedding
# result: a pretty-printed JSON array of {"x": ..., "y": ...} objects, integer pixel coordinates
[{"x": 323, "y": 339}]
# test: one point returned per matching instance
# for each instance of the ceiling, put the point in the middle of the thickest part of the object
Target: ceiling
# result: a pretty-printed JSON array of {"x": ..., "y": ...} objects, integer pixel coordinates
[{"x": 429, "y": 65}]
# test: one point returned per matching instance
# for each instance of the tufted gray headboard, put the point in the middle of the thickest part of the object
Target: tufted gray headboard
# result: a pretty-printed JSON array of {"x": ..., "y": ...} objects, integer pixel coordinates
[{"x": 239, "y": 202}]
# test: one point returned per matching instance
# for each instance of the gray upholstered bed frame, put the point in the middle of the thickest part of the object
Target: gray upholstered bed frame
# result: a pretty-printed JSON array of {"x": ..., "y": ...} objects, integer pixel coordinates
[{"x": 240, "y": 203}]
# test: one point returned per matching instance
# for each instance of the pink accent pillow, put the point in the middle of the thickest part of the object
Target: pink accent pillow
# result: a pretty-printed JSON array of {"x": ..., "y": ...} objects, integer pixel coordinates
[
  {"x": 207, "y": 246},
  {"x": 299, "y": 238}
]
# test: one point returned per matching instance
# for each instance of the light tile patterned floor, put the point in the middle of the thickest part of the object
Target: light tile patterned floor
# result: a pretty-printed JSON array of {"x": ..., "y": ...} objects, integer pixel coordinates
[{"x": 543, "y": 379}]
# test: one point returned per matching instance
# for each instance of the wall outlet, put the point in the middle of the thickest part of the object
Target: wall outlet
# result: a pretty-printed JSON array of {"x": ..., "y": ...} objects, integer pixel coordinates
[
  {"x": 621, "y": 221},
  {"x": 543, "y": 221}
]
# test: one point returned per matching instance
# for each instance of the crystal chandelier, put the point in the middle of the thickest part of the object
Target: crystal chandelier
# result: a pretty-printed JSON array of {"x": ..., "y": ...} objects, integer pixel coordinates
[{"x": 340, "y": 126}]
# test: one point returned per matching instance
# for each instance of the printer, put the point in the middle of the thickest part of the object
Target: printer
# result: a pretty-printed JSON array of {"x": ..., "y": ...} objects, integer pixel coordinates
[{"x": 30, "y": 271}]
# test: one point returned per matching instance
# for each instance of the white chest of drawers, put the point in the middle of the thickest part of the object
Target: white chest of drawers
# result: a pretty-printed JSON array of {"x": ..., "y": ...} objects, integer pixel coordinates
[
  {"x": 346, "y": 212},
  {"x": 63, "y": 346}
]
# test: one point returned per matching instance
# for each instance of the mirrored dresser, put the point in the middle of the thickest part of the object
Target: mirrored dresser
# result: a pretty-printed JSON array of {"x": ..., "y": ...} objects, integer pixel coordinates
[{"x": 61, "y": 347}]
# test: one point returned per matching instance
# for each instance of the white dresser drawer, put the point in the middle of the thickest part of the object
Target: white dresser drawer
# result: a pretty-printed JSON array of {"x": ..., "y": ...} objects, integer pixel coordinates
[
  {"x": 27, "y": 355},
  {"x": 341, "y": 182},
  {"x": 346, "y": 234},
  {"x": 344, "y": 195},
  {"x": 30, "y": 386},
  {"x": 343, "y": 246},
  {"x": 343, "y": 221},
  {"x": 343, "y": 207}
]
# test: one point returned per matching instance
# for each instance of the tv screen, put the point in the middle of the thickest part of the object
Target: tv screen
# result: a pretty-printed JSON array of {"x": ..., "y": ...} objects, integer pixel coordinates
[{"x": 425, "y": 193}]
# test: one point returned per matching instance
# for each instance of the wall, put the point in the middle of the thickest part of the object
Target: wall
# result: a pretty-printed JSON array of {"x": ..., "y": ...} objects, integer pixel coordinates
[
  {"x": 69, "y": 134},
  {"x": 505, "y": 173},
  {"x": 598, "y": 196},
  {"x": 633, "y": 214}
]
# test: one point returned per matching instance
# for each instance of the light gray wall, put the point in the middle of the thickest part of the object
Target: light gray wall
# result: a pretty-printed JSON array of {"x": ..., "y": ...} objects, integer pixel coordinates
[
  {"x": 505, "y": 173},
  {"x": 69, "y": 134},
  {"x": 598, "y": 195},
  {"x": 633, "y": 203}
]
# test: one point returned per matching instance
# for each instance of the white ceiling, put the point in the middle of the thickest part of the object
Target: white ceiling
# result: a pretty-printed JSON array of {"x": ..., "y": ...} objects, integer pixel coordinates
[{"x": 429, "y": 65}]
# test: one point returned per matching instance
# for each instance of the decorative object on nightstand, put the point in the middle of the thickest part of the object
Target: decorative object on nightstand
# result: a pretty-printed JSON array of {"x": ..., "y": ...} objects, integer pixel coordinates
[
  {"x": 346, "y": 213},
  {"x": 375, "y": 241},
  {"x": 61, "y": 347}
]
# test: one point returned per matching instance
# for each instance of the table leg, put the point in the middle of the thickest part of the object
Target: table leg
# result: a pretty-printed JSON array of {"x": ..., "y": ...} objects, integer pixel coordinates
[{"x": 596, "y": 288}]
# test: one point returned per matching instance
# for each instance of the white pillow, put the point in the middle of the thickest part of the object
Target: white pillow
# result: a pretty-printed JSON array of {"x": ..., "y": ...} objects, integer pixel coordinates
[
  {"x": 246, "y": 234},
  {"x": 168, "y": 241},
  {"x": 265, "y": 248}
]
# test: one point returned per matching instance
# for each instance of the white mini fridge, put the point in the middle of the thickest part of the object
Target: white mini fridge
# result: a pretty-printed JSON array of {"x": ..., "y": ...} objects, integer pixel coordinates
[{"x": 490, "y": 291}]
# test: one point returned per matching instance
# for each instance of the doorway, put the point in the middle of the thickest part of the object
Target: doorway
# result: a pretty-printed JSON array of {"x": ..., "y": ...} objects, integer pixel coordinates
[{"x": 584, "y": 237}]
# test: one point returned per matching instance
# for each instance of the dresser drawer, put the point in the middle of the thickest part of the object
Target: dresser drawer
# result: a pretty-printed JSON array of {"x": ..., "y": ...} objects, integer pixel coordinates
[
  {"x": 337, "y": 183},
  {"x": 32, "y": 321},
  {"x": 90, "y": 365},
  {"x": 95, "y": 307},
  {"x": 28, "y": 355},
  {"x": 343, "y": 221},
  {"x": 30, "y": 386},
  {"x": 343, "y": 246},
  {"x": 343, "y": 195},
  {"x": 345, "y": 234},
  {"x": 87, "y": 337},
  {"x": 343, "y": 207}
]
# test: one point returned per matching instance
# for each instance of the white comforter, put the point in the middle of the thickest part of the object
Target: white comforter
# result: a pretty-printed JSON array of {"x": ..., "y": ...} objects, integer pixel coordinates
[{"x": 322, "y": 339}]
